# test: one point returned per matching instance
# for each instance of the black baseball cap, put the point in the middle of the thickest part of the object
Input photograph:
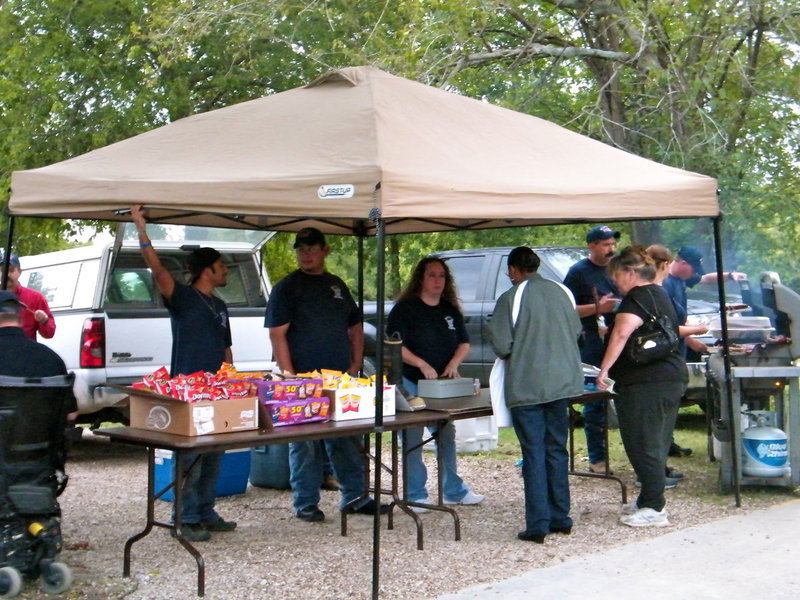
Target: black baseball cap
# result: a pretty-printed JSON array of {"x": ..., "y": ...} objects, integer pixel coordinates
[
  {"x": 9, "y": 303},
  {"x": 200, "y": 259},
  {"x": 309, "y": 236},
  {"x": 601, "y": 232},
  {"x": 694, "y": 257}
]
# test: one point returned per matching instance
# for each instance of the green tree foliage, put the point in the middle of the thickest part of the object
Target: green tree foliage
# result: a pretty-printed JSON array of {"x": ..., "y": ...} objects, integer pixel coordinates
[{"x": 709, "y": 86}]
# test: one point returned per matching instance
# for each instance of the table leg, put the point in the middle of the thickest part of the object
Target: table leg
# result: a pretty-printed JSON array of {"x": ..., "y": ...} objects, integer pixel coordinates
[
  {"x": 405, "y": 505},
  {"x": 126, "y": 561},
  {"x": 607, "y": 474}
]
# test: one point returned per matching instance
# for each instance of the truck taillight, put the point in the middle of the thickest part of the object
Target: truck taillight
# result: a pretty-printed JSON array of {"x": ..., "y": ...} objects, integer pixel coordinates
[{"x": 93, "y": 343}]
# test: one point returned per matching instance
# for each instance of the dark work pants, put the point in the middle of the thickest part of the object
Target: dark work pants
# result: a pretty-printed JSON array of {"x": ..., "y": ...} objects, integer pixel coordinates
[{"x": 647, "y": 413}]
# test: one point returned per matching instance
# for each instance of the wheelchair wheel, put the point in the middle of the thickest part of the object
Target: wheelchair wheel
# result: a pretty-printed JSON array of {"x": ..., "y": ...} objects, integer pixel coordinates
[
  {"x": 10, "y": 582},
  {"x": 56, "y": 578}
]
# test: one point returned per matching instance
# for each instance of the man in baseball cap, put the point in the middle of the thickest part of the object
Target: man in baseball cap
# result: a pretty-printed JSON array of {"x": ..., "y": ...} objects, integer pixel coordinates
[
  {"x": 692, "y": 256},
  {"x": 601, "y": 232},
  {"x": 309, "y": 236},
  {"x": 596, "y": 296},
  {"x": 36, "y": 318}
]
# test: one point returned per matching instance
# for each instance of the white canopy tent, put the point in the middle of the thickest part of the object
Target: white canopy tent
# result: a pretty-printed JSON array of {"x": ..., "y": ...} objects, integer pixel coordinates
[
  {"x": 355, "y": 140},
  {"x": 359, "y": 151}
]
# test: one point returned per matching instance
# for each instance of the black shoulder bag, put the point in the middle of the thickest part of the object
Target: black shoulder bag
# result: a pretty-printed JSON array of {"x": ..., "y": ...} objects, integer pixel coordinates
[{"x": 654, "y": 340}]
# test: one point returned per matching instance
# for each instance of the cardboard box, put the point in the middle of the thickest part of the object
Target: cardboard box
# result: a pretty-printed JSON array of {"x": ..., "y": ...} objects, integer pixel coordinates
[
  {"x": 297, "y": 411},
  {"x": 359, "y": 403},
  {"x": 163, "y": 413},
  {"x": 232, "y": 478},
  {"x": 292, "y": 402}
]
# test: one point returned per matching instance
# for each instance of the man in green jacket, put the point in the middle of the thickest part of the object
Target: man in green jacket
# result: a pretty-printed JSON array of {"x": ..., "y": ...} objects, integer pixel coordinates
[{"x": 543, "y": 370}]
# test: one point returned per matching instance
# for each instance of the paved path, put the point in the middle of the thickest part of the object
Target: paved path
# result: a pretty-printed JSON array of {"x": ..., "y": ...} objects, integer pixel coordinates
[{"x": 753, "y": 556}]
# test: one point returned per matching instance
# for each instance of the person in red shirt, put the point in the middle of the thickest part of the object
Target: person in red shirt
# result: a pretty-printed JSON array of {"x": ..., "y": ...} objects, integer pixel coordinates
[{"x": 36, "y": 315}]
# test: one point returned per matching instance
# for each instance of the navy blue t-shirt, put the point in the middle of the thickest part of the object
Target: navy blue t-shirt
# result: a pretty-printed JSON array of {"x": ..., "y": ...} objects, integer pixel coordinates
[
  {"x": 431, "y": 332},
  {"x": 319, "y": 310},
  {"x": 588, "y": 282},
  {"x": 200, "y": 331}
]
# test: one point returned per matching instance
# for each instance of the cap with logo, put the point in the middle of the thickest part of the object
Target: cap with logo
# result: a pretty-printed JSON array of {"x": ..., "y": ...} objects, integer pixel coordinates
[
  {"x": 694, "y": 257},
  {"x": 601, "y": 232},
  {"x": 9, "y": 302},
  {"x": 309, "y": 236}
]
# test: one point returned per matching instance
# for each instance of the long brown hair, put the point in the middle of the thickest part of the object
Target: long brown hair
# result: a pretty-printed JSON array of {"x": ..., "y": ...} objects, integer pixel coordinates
[{"x": 414, "y": 286}]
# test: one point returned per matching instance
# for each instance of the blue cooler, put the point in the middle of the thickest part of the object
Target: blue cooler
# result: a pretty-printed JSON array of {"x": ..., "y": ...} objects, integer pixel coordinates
[
  {"x": 232, "y": 475},
  {"x": 269, "y": 466}
]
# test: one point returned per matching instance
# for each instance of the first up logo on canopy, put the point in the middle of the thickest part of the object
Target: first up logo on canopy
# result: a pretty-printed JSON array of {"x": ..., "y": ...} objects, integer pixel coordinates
[{"x": 338, "y": 190}]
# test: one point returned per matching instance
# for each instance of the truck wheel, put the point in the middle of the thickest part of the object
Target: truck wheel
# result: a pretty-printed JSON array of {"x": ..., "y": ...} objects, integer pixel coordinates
[
  {"x": 56, "y": 578},
  {"x": 10, "y": 582}
]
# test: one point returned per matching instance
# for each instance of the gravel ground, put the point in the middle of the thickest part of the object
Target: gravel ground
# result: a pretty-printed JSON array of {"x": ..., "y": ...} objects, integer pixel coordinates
[{"x": 272, "y": 554}]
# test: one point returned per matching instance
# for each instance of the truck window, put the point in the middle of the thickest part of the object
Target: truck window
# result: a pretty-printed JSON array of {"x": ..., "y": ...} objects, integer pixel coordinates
[
  {"x": 56, "y": 283},
  {"x": 130, "y": 286},
  {"x": 503, "y": 282},
  {"x": 466, "y": 271}
]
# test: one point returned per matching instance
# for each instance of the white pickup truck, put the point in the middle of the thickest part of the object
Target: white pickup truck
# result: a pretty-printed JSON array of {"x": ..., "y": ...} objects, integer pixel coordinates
[{"x": 111, "y": 323}]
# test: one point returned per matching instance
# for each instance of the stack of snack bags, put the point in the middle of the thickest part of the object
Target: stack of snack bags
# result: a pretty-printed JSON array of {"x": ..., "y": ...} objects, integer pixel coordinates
[{"x": 196, "y": 387}]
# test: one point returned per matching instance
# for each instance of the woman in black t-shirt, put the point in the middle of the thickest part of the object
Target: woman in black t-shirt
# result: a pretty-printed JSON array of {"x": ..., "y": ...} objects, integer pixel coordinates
[
  {"x": 648, "y": 395},
  {"x": 429, "y": 321}
]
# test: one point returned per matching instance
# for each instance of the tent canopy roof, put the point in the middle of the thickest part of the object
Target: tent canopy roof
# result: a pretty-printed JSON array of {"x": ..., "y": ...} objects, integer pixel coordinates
[{"x": 355, "y": 143}]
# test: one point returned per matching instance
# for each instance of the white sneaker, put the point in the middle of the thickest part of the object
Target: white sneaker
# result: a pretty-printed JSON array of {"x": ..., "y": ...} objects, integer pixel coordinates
[
  {"x": 646, "y": 517},
  {"x": 469, "y": 498},
  {"x": 418, "y": 509}
]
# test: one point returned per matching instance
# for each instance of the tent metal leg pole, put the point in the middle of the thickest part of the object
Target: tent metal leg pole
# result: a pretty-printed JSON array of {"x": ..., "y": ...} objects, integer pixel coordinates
[
  {"x": 380, "y": 253},
  {"x": 723, "y": 315},
  {"x": 7, "y": 253}
]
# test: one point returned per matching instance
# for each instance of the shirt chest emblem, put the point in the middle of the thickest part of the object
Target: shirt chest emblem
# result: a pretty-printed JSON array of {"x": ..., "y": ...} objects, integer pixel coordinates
[
  {"x": 337, "y": 292},
  {"x": 451, "y": 324}
]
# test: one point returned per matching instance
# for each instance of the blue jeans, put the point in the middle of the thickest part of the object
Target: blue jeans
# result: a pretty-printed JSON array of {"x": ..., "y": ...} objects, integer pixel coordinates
[
  {"x": 306, "y": 465},
  {"x": 594, "y": 413},
  {"x": 199, "y": 493},
  {"x": 453, "y": 487},
  {"x": 542, "y": 431}
]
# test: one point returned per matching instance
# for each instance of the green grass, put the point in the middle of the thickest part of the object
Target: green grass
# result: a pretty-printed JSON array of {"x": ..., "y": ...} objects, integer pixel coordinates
[{"x": 702, "y": 475}]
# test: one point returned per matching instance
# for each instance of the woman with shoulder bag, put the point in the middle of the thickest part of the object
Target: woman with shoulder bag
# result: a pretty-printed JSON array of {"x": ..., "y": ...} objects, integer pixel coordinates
[{"x": 642, "y": 357}]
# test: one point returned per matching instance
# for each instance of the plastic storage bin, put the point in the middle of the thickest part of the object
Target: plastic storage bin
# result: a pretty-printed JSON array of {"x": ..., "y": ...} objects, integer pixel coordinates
[
  {"x": 232, "y": 475},
  {"x": 476, "y": 435},
  {"x": 269, "y": 466}
]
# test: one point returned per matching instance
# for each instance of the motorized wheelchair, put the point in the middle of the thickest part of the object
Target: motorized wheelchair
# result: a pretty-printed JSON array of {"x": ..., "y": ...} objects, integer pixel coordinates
[{"x": 33, "y": 419}]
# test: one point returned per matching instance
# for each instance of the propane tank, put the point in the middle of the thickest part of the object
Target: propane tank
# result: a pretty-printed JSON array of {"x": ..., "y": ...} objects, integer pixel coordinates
[{"x": 765, "y": 450}]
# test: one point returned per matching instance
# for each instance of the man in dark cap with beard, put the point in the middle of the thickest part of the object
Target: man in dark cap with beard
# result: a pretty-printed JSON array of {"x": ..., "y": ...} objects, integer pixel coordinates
[
  {"x": 201, "y": 341},
  {"x": 596, "y": 296}
]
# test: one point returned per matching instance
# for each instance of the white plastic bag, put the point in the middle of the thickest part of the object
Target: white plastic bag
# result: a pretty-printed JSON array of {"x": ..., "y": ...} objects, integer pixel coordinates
[{"x": 502, "y": 415}]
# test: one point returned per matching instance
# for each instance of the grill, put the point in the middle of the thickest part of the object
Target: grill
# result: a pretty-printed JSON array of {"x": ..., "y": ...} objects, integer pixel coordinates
[{"x": 764, "y": 384}]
